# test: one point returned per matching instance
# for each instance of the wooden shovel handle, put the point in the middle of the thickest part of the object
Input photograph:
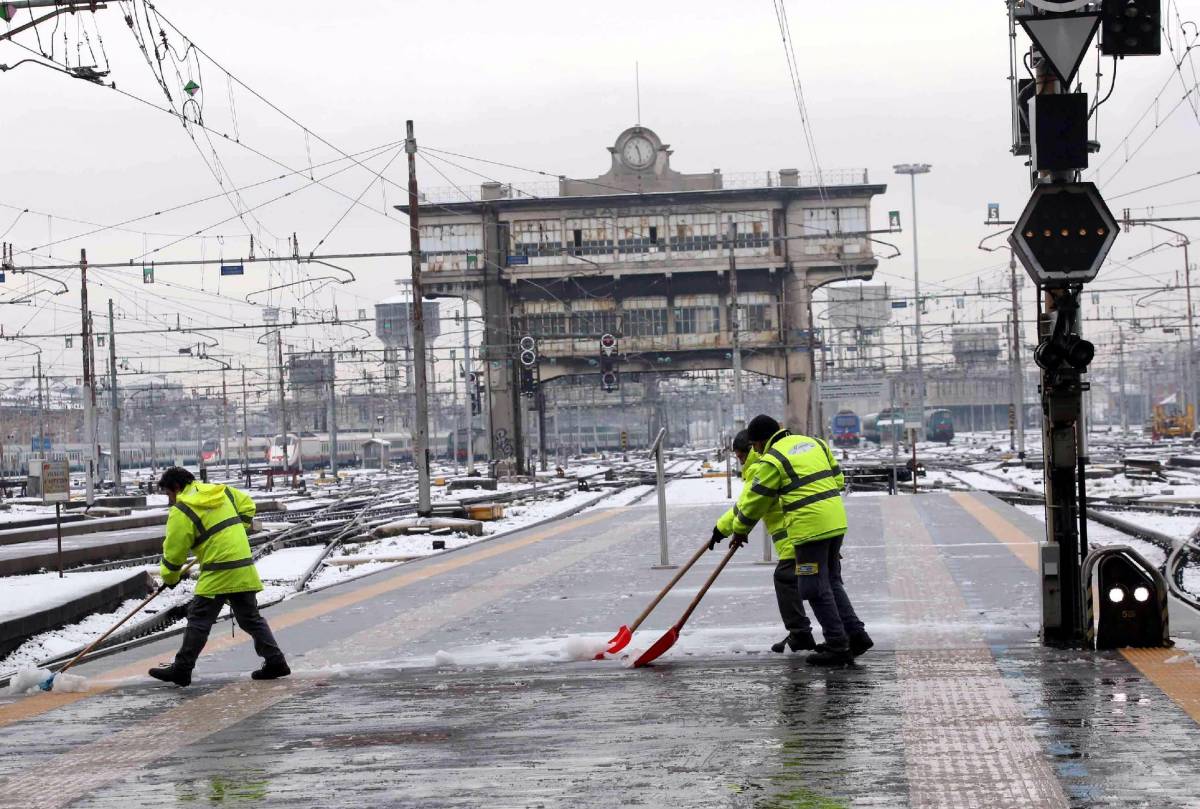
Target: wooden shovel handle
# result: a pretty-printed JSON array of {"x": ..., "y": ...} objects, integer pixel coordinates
[
  {"x": 121, "y": 623},
  {"x": 674, "y": 580},
  {"x": 696, "y": 601}
]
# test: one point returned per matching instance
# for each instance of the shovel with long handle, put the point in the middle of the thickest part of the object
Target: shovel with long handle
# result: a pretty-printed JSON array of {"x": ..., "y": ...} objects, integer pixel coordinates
[
  {"x": 48, "y": 683},
  {"x": 668, "y": 640},
  {"x": 625, "y": 633}
]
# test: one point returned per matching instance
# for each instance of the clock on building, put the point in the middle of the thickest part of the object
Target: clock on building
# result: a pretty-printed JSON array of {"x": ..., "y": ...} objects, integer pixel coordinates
[{"x": 638, "y": 152}]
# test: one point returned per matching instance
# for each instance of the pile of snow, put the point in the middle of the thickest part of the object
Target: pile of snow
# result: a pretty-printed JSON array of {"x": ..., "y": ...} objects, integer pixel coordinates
[
  {"x": 70, "y": 683},
  {"x": 27, "y": 680},
  {"x": 630, "y": 656},
  {"x": 580, "y": 647},
  {"x": 443, "y": 658}
]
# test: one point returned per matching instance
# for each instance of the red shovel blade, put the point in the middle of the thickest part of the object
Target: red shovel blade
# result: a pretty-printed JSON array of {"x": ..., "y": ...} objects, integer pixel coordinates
[
  {"x": 659, "y": 648},
  {"x": 619, "y": 641}
]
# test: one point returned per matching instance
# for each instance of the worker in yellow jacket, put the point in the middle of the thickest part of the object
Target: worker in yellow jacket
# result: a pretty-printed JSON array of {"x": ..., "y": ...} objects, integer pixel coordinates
[
  {"x": 787, "y": 591},
  {"x": 210, "y": 520},
  {"x": 799, "y": 475}
]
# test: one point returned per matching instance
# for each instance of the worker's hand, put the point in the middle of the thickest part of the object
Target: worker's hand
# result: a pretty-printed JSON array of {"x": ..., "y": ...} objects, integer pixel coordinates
[
  {"x": 717, "y": 538},
  {"x": 738, "y": 540},
  {"x": 171, "y": 584}
]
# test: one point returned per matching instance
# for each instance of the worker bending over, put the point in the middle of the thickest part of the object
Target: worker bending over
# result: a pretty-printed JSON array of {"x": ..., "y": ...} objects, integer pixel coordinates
[
  {"x": 787, "y": 593},
  {"x": 799, "y": 475},
  {"x": 210, "y": 521}
]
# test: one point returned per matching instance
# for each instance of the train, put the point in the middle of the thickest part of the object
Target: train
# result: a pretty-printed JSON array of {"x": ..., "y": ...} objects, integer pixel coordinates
[
  {"x": 456, "y": 442},
  {"x": 847, "y": 428},
  {"x": 257, "y": 450},
  {"x": 14, "y": 459},
  {"x": 939, "y": 426},
  {"x": 879, "y": 427},
  {"x": 311, "y": 450}
]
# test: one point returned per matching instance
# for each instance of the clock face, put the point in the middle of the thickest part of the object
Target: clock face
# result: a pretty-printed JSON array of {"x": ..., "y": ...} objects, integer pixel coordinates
[{"x": 638, "y": 152}]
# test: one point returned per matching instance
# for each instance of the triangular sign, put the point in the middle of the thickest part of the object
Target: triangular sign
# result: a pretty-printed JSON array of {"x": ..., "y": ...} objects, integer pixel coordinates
[{"x": 1062, "y": 39}]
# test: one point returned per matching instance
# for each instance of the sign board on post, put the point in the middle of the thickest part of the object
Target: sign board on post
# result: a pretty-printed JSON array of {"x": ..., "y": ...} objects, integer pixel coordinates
[
  {"x": 855, "y": 389},
  {"x": 56, "y": 481},
  {"x": 912, "y": 418}
]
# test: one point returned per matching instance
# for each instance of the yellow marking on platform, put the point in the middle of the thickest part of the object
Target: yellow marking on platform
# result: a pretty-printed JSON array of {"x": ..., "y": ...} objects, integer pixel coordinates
[
  {"x": 1180, "y": 681},
  {"x": 1009, "y": 533},
  {"x": 23, "y": 708}
]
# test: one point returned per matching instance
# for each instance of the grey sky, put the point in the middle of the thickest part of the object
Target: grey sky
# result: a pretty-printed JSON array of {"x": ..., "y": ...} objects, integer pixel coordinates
[{"x": 544, "y": 85}]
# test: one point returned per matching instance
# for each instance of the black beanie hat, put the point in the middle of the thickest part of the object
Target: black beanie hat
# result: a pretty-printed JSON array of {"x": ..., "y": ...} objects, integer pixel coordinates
[
  {"x": 741, "y": 442},
  {"x": 761, "y": 428}
]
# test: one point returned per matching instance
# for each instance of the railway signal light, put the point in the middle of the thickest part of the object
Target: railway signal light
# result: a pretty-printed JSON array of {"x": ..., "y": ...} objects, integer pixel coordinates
[
  {"x": 528, "y": 351},
  {"x": 1064, "y": 234},
  {"x": 608, "y": 363},
  {"x": 1131, "y": 28}
]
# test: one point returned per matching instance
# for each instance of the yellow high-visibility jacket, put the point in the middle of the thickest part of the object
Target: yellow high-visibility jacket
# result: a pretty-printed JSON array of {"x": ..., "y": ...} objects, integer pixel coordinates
[
  {"x": 773, "y": 518},
  {"x": 799, "y": 476},
  {"x": 210, "y": 521}
]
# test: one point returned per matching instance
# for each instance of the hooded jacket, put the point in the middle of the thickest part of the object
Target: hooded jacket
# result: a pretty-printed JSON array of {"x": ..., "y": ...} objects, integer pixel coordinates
[{"x": 210, "y": 520}]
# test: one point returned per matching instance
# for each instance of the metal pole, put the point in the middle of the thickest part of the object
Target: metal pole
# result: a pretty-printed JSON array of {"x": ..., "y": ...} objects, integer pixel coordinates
[
  {"x": 333, "y": 427},
  {"x": 541, "y": 417},
  {"x": 153, "y": 449},
  {"x": 1121, "y": 378},
  {"x": 115, "y": 404},
  {"x": 739, "y": 405},
  {"x": 89, "y": 385},
  {"x": 455, "y": 407},
  {"x": 663, "y": 558},
  {"x": 41, "y": 411},
  {"x": 728, "y": 470},
  {"x": 225, "y": 423},
  {"x": 58, "y": 531},
  {"x": 283, "y": 414},
  {"x": 421, "y": 428},
  {"x": 1018, "y": 372},
  {"x": 1191, "y": 360},
  {"x": 470, "y": 416},
  {"x": 245, "y": 426},
  {"x": 918, "y": 337}
]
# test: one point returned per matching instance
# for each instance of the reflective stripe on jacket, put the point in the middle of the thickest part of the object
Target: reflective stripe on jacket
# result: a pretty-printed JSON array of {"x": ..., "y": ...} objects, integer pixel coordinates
[
  {"x": 799, "y": 475},
  {"x": 210, "y": 520},
  {"x": 773, "y": 519}
]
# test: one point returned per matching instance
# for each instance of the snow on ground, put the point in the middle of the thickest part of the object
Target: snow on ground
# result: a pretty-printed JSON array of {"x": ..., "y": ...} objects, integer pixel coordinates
[
  {"x": 24, "y": 595},
  {"x": 627, "y": 497},
  {"x": 1103, "y": 535},
  {"x": 701, "y": 491},
  {"x": 288, "y": 564},
  {"x": 1178, "y": 526}
]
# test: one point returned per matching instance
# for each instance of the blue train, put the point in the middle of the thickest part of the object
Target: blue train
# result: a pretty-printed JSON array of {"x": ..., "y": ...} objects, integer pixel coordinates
[{"x": 847, "y": 429}]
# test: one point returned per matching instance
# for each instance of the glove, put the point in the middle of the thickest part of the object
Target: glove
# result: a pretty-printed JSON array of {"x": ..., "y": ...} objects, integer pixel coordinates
[
  {"x": 717, "y": 538},
  {"x": 738, "y": 540}
]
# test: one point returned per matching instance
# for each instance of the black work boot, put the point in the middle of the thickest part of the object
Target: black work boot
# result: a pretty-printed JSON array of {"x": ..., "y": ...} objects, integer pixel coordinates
[
  {"x": 860, "y": 642},
  {"x": 271, "y": 670},
  {"x": 172, "y": 674},
  {"x": 830, "y": 657},
  {"x": 795, "y": 641}
]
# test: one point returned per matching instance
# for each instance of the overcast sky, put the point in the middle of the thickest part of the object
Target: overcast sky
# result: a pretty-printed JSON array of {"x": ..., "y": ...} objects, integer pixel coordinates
[{"x": 543, "y": 85}]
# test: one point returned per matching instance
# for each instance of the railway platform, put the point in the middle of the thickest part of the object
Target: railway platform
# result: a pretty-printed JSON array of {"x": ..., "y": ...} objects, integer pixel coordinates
[{"x": 450, "y": 682}]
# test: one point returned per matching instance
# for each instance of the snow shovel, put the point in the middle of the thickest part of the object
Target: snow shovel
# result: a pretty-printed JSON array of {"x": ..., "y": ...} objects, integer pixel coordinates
[
  {"x": 625, "y": 633},
  {"x": 48, "y": 683},
  {"x": 664, "y": 643}
]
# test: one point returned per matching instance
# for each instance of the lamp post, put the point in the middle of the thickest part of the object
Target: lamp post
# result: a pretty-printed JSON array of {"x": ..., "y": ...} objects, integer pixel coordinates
[{"x": 912, "y": 170}]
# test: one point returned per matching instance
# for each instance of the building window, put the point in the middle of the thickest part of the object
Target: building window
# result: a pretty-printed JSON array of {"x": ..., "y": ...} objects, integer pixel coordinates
[
  {"x": 594, "y": 322},
  {"x": 638, "y": 235},
  {"x": 536, "y": 238},
  {"x": 697, "y": 314},
  {"x": 546, "y": 324},
  {"x": 644, "y": 317},
  {"x": 695, "y": 233},
  {"x": 590, "y": 237}
]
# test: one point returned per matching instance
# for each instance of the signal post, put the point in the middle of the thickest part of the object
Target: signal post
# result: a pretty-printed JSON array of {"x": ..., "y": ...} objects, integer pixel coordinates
[{"x": 1062, "y": 238}]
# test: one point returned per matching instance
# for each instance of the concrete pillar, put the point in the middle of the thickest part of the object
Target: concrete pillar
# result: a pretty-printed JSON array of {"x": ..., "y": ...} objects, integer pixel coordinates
[
  {"x": 798, "y": 385},
  {"x": 504, "y": 418}
]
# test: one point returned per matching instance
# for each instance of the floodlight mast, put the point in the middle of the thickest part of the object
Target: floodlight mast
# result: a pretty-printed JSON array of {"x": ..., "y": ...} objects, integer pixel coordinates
[{"x": 912, "y": 170}]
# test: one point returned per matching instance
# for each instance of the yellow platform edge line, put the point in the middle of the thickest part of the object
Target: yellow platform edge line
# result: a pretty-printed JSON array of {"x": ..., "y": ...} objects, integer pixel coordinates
[
  {"x": 1180, "y": 680},
  {"x": 30, "y": 706}
]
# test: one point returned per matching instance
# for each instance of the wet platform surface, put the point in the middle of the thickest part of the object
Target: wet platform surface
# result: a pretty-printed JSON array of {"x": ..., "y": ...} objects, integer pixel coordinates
[{"x": 445, "y": 683}]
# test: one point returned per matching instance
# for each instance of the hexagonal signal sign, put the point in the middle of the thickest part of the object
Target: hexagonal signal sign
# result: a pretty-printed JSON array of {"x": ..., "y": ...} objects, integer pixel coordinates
[{"x": 1064, "y": 234}]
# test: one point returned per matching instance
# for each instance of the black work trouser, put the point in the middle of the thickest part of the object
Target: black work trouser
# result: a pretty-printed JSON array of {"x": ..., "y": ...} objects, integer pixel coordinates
[
  {"x": 202, "y": 614},
  {"x": 814, "y": 580},
  {"x": 787, "y": 595},
  {"x": 850, "y": 619}
]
